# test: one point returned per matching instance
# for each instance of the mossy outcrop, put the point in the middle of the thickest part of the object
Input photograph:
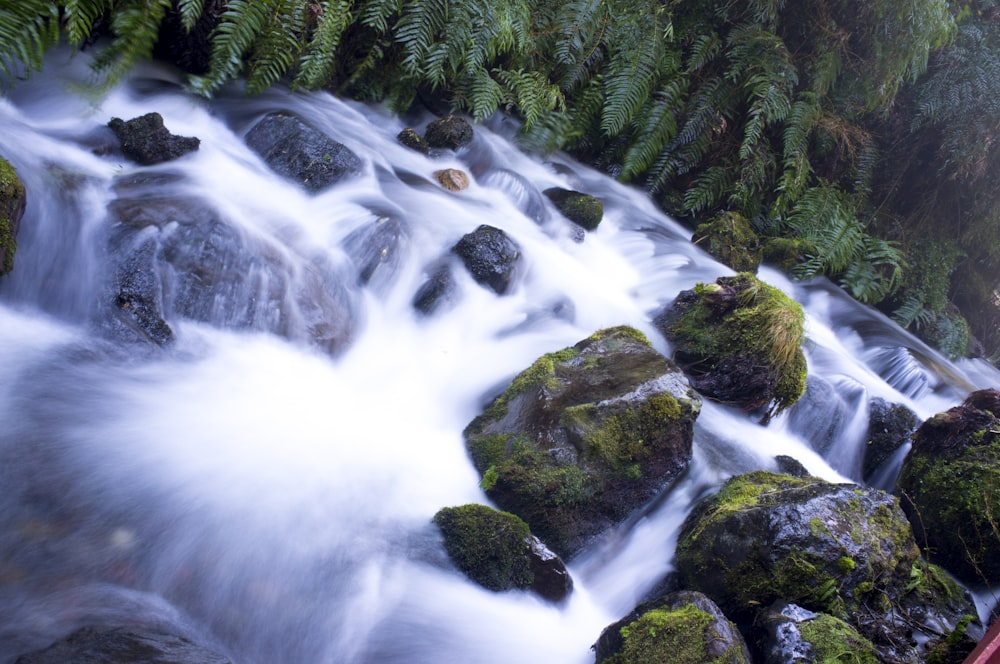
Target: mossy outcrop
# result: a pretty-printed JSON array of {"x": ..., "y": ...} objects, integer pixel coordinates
[
  {"x": 740, "y": 342},
  {"x": 582, "y": 209},
  {"x": 681, "y": 628},
  {"x": 497, "y": 550},
  {"x": 729, "y": 238},
  {"x": 12, "y": 204},
  {"x": 451, "y": 132},
  {"x": 950, "y": 487},
  {"x": 799, "y": 636},
  {"x": 839, "y": 549},
  {"x": 585, "y": 436}
]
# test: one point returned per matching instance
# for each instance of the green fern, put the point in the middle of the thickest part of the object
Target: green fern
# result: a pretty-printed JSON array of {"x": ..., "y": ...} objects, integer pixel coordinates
[
  {"x": 278, "y": 46},
  {"x": 242, "y": 24},
  {"x": 320, "y": 56},
  {"x": 28, "y": 29},
  {"x": 80, "y": 16},
  {"x": 190, "y": 11},
  {"x": 135, "y": 26}
]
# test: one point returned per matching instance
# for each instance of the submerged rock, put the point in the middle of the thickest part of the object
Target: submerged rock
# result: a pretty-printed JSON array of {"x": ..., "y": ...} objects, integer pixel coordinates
[
  {"x": 12, "y": 204},
  {"x": 889, "y": 428},
  {"x": 490, "y": 256},
  {"x": 146, "y": 141},
  {"x": 740, "y": 342},
  {"x": 582, "y": 209},
  {"x": 585, "y": 436},
  {"x": 839, "y": 549},
  {"x": 91, "y": 645},
  {"x": 729, "y": 238},
  {"x": 497, "y": 550},
  {"x": 684, "y": 627},
  {"x": 950, "y": 487},
  {"x": 300, "y": 153}
]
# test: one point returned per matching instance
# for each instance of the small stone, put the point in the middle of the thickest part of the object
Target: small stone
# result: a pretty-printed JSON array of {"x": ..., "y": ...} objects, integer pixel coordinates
[
  {"x": 448, "y": 132},
  {"x": 452, "y": 179},
  {"x": 413, "y": 140}
]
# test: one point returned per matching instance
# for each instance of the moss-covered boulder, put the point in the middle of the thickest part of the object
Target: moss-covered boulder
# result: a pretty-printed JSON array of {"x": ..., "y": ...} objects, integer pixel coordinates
[
  {"x": 12, "y": 203},
  {"x": 740, "y": 342},
  {"x": 729, "y": 238},
  {"x": 950, "y": 487},
  {"x": 889, "y": 428},
  {"x": 839, "y": 549},
  {"x": 451, "y": 132},
  {"x": 798, "y": 636},
  {"x": 582, "y": 209},
  {"x": 497, "y": 550},
  {"x": 785, "y": 253},
  {"x": 585, "y": 436},
  {"x": 681, "y": 628}
]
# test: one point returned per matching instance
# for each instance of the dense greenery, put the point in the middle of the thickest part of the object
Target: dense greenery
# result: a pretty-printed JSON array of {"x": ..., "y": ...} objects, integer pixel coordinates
[{"x": 865, "y": 131}]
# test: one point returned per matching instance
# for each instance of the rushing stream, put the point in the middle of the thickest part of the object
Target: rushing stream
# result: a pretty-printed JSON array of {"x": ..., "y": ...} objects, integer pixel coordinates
[{"x": 273, "y": 499}]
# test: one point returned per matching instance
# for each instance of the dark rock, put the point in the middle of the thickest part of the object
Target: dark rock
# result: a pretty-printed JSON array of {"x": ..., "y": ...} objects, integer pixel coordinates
[
  {"x": 798, "y": 636},
  {"x": 582, "y": 209},
  {"x": 490, "y": 256},
  {"x": 146, "y": 141},
  {"x": 739, "y": 340},
  {"x": 839, "y": 549},
  {"x": 889, "y": 428},
  {"x": 585, "y": 436},
  {"x": 497, "y": 550},
  {"x": 91, "y": 645},
  {"x": 438, "y": 290},
  {"x": 300, "y": 153},
  {"x": 139, "y": 295},
  {"x": 729, "y": 238},
  {"x": 450, "y": 132},
  {"x": 950, "y": 487},
  {"x": 12, "y": 204},
  {"x": 413, "y": 140},
  {"x": 683, "y": 627},
  {"x": 791, "y": 466}
]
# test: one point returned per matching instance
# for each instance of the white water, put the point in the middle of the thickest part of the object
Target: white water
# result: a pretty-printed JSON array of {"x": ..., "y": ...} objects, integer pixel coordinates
[{"x": 274, "y": 501}]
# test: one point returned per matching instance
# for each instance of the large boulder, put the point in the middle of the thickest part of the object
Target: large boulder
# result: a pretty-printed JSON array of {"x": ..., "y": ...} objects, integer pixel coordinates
[
  {"x": 839, "y": 549},
  {"x": 300, "y": 153},
  {"x": 950, "y": 487},
  {"x": 497, "y": 550},
  {"x": 92, "y": 645},
  {"x": 681, "y": 628},
  {"x": 585, "y": 436},
  {"x": 12, "y": 204},
  {"x": 146, "y": 141},
  {"x": 490, "y": 256},
  {"x": 730, "y": 239},
  {"x": 739, "y": 340}
]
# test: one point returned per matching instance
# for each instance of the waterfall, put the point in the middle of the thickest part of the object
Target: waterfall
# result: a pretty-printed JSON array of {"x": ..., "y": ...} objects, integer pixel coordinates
[{"x": 267, "y": 483}]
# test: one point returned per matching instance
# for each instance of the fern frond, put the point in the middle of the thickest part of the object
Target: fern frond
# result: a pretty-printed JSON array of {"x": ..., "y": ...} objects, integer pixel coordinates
[
  {"x": 483, "y": 96},
  {"x": 136, "y": 27},
  {"x": 241, "y": 25},
  {"x": 190, "y": 11},
  {"x": 79, "y": 17},
  {"x": 27, "y": 30},
  {"x": 533, "y": 94},
  {"x": 707, "y": 189},
  {"x": 278, "y": 46},
  {"x": 318, "y": 62},
  {"x": 376, "y": 14},
  {"x": 630, "y": 73},
  {"x": 658, "y": 129},
  {"x": 416, "y": 32}
]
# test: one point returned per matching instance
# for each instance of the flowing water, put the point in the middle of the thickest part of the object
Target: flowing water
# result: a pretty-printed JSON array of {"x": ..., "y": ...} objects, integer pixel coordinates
[{"x": 265, "y": 484}]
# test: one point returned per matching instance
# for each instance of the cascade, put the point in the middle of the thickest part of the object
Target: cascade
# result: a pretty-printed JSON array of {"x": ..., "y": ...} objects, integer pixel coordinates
[{"x": 267, "y": 483}]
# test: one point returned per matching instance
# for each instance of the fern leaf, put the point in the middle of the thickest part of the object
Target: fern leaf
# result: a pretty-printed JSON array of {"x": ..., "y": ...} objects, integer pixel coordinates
[
  {"x": 317, "y": 64},
  {"x": 241, "y": 25},
  {"x": 707, "y": 189},
  {"x": 417, "y": 30},
  {"x": 278, "y": 46},
  {"x": 376, "y": 13},
  {"x": 190, "y": 11},
  {"x": 658, "y": 129},
  {"x": 136, "y": 28},
  {"x": 80, "y": 17},
  {"x": 27, "y": 30},
  {"x": 629, "y": 80}
]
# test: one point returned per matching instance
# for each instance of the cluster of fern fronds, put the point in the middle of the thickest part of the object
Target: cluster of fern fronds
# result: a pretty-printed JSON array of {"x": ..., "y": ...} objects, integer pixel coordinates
[{"x": 761, "y": 107}]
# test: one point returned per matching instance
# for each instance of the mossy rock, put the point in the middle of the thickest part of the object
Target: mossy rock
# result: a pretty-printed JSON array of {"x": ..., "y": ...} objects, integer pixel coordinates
[
  {"x": 785, "y": 253},
  {"x": 740, "y": 342},
  {"x": 950, "y": 484},
  {"x": 413, "y": 140},
  {"x": 489, "y": 546},
  {"x": 831, "y": 548},
  {"x": 681, "y": 628},
  {"x": 585, "y": 436},
  {"x": 729, "y": 238},
  {"x": 795, "y": 634},
  {"x": 451, "y": 132},
  {"x": 582, "y": 209},
  {"x": 12, "y": 204}
]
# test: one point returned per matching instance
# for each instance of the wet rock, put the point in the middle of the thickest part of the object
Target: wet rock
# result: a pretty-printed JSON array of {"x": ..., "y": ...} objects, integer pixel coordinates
[
  {"x": 889, "y": 428},
  {"x": 739, "y": 341},
  {"x": 582, "y": 209},
  {"x": 12, "y": 204},
  {"x": 375, "y": 248},
  {"x": 91, "y": 645},
  {"x": 146, "y": 141},
  {"x": 585, "y": 436},
  {"x": 413, "y": 140},
  {"x": 798, "y": 636},
  {"x": 950, "y": 487},
  {"x": 490, "y": 256},
  {"x": 300, "y": 153},
  {"x": 438, "y": 290},
  {"x": 681, "y": 628},
  {"x": 729, "y": 238},
  {"x": 452, "y": 179},
  {"x": 830, "y": 548},
  {"x": 521, "y": 192},
  {"x": 497, "y": 550},
  {"x": 450, "y": 132}
]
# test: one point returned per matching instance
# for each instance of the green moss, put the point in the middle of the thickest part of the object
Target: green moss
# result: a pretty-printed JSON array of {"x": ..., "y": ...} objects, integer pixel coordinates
[
  {"x": 786, "y": 253},
  {"x": 836, "y": 642},
  {"x": 678, "y": 636},
  {"x": 729, "y": 238},
  {"x": 11, "y": 200},
  {"x": 491, "y": 547}
]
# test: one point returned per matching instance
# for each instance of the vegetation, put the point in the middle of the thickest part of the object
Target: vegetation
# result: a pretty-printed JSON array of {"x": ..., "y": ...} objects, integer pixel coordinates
[
  {"x": 491, "y": 547},
  {"x": 861, "y": 131}
]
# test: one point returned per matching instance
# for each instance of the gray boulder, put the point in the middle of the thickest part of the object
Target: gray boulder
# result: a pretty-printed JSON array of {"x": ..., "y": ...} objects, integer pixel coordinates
[
  {"x": 300, "y": 153},
  {"x": 91, "y": 645}
]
